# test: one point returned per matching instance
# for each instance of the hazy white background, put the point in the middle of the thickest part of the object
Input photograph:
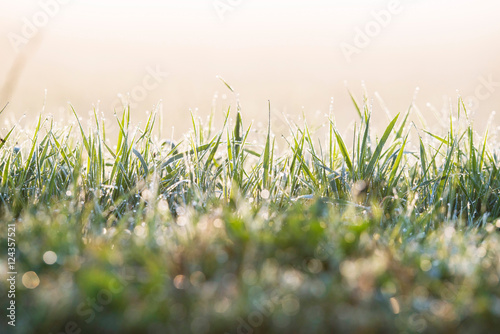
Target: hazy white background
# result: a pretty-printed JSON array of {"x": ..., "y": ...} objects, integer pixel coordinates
[{"x": 284, "y": 51}]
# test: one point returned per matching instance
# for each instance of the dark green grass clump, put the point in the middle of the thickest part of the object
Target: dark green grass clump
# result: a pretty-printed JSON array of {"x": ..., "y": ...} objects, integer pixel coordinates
[{"x": 221, "y": 234}]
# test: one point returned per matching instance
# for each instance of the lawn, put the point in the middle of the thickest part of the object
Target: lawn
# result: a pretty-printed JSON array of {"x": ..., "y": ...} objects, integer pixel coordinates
[{"x": 360, "y": 231}]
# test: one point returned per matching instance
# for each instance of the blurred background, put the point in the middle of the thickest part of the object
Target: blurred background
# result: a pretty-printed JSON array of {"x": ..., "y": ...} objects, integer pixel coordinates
[{"x": 298, "y": 54}]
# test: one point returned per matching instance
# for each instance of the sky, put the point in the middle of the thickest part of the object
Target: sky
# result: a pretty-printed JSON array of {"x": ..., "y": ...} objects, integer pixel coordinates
[{"x": 297, "y": 54}]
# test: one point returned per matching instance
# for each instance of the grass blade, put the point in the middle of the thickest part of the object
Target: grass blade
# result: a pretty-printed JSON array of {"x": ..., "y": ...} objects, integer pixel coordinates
[{"x": 376, "y": 154}]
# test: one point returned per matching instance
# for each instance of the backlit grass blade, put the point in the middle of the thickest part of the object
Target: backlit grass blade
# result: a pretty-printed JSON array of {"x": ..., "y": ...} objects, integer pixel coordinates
[
  {"x": 483, "y": 151},
  {"x": 5, "y": 107},
  {"x": 226, "y": 84},
  {"x": 143, "y": 162},
  {"x": 364, "y": 145},
  {"x": 5, "y": 173},
  {"x": 84, "y": 137},
  {"x": 445, "y": 175},
  {"x": 216, "y": 145},
  {"x": 442, "y": 140},
  {"x": 4, "y": 139},
  {"x": 267, "y": 149},
  {"x": 397, "y": 162},
  {"x": 423, "y": 158},
  {"x": 355, "y": 104},
  {"x": 343, "y": 150},
  {"x": 399, "y": 133},
  {"x": 31, "y": 155},
  {"x": 376, "y": 154},
  {"x": 179, "y": 156}
]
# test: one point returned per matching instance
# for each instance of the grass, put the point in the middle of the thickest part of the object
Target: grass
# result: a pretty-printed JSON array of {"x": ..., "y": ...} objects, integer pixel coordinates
[{"x": 218, "y": 234}]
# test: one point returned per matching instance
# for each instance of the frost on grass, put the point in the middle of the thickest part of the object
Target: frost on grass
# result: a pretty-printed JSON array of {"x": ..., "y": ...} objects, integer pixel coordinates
[{"x": 373, "y": 231}]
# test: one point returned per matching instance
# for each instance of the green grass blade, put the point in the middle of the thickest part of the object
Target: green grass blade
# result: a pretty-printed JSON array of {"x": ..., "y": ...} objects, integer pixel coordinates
[
  {"x": 345, "y": 153},
  {"x": 376, "y": 154},
  {"x": 84, "y": 137},
  {"x": 355, "y": 104},
  {"x": 395, "y": 167},
  {"x": 267, "y": 149}
]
